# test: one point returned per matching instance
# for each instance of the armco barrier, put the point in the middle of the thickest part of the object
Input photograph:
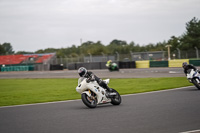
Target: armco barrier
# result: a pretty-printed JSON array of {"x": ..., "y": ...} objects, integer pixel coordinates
[
  {"x": 142, "y": 64},
  {"x": 195, "y": 62},
  {"x": 158, "y": 63},
  {"x": 177, "y": 63}
]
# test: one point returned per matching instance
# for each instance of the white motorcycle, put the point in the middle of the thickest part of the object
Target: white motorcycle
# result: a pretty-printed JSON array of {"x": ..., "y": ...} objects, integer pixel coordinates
[
  {"x": 194, "y": 77},
  {"x": 92, "y": 94}
]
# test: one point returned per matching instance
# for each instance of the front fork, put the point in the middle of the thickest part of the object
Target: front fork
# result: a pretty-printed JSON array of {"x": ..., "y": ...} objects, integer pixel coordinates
[
  {"x": 91, "y": 95},
  {"x": 197, "y": 80}
]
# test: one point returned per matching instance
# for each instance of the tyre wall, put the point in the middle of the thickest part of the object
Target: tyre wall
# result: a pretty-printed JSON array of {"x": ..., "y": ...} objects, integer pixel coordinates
[
  {"x": 135, "y": 64},
  {"x": 142, "y": 64},
  {"x": 100, "y": 65},
  {"x": 195, "y": 62},
  {"x": 9, "y": 68},
  {"x": 177, "y": 63},
  {"x": 130, "y": 64},
  {"x": 158, "y": 64}
]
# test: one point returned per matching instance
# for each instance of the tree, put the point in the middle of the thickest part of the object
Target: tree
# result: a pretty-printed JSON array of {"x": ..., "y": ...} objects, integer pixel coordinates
[
  {"x": 8, "y": 48},
  {"x": 118, "y": 46},
  {"x": 2, "y": 50},
  {"x": 191, "y": 38},
  {"x": 24, "y": 52},
  {"x": 39, "y": 51},
  {"x": 174, "y": 42}
]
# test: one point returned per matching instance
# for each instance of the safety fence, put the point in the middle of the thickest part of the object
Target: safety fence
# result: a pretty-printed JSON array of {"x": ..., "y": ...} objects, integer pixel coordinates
[
  {"x": 135, "y": 64},
  {"x": 99, "y": 65}
]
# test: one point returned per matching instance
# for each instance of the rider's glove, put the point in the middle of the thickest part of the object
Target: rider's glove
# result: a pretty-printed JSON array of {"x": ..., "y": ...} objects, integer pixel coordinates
[{"x": 92, "y": 78}]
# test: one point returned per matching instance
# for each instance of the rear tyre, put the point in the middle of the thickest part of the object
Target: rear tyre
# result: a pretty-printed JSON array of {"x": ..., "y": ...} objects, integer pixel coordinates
[
  {"x": 88, "y": 101},
  {"x": 117, "y": 68},
  {"x": 116, "y": 100},
  {"x": 196, "y": 84}
]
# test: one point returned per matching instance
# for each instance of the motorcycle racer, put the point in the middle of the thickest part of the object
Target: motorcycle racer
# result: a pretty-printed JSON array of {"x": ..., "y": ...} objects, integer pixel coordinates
[
  {"x": 109, "y": 64},
  {"x": 83, "y": 72},
  {"x": 186, "y": 67}
]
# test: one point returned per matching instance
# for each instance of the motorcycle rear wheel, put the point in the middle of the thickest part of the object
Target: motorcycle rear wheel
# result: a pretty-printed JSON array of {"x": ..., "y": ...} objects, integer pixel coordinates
[
  {"x": 91, "y": 103},
  {"x": 196, "y": 84},
  {"x": 116, "y": 100}
]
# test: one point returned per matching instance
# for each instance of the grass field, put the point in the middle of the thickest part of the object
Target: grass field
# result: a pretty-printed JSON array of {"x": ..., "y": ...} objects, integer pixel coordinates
[{"x": 26, "y": 91}]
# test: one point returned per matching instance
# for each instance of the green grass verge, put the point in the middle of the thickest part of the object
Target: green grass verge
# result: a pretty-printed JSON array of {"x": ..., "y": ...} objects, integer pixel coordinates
[{"x": 26, "y": 91}]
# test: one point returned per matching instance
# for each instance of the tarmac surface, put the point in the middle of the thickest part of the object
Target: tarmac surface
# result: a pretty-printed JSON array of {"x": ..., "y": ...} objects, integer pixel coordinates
[
  {"x": 172, "y": 111},
  {"x": 104, "y": 73}
]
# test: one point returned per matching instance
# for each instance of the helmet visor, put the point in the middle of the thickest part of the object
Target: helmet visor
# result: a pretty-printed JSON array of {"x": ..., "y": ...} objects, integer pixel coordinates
[{"x": 82, "y": 74}]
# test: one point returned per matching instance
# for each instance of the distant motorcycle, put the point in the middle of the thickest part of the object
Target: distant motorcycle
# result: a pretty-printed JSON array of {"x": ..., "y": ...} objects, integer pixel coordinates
[
  {"x": 194, "y": 77},
  {"x": 92, "y": 94},
  {"x": 112, "y": 67}
]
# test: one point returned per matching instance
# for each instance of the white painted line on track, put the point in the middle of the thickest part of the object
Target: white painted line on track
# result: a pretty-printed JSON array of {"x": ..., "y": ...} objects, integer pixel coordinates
[
  {"x": 193, "y": 131},
  {"x": 158, "y": 91},
  {"x": 39, "y": 103},
  {"x": 175, "y": 72},
  {"x": 80, "y": 99}
]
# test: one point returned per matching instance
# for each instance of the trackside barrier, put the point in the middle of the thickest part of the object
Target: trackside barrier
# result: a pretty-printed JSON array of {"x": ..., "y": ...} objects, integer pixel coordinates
[
  {"x": 89, "y": 65},
  {"x": 17, "y": 68},
  {"x": 177, "y": 63},
  {"x": 14, "y": 68},
  {"x": 71, "y": 66},
  {"x": 56, "y": 67},
  {"x": 100, "y": 65},
  {"x": 142, "y": 64},
  {"x": 159, "y": 64},
  {"x": 135, "y": 64},
  {"x": 92, "y": 65},
  {"x": 129, "y": 64},
  {"x": 195, "y": 62}
]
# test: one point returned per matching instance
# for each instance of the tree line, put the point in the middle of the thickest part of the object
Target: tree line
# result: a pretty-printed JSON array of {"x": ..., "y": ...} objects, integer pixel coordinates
[{"x": 189, "y": 40}]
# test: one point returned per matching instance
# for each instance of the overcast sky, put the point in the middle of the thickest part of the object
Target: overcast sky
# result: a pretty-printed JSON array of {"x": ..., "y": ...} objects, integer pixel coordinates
[{"x": 30, "y": 25}]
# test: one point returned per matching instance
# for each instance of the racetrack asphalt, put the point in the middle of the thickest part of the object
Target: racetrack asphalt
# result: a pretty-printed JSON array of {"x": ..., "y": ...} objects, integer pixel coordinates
[
  {"x": 171, "y": 111},
  {"x": 103, "y": 73}
]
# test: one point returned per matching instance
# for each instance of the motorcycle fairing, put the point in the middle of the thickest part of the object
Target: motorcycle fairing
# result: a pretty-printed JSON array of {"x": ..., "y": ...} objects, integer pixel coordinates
[{"x": 94, "y": 87}]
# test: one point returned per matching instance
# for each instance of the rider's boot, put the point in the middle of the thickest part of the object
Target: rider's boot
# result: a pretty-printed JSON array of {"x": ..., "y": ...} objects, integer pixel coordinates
[
  {"x": 109, "y": 92},
  {"x": 108, "y": 89},
  {"x": 105, "y": 86}
]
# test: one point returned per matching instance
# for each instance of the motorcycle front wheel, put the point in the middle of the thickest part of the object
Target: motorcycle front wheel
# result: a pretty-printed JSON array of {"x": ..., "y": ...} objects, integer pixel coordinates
[
  {"x": 116, "y": 100},
  {"x": 88, "y": 101},
  {"x": 196, "y": 83}
]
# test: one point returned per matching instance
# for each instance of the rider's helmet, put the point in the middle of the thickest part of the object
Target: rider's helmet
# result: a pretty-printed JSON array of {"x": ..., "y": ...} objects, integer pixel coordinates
[
  {"x": 82, "y": 71},
  {"x": 184, "y": 64},
  {"x": 109, "y": 62}
]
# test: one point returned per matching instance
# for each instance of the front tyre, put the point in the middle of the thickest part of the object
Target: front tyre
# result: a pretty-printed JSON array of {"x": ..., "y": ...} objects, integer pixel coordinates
[
  {"x": 88, "y": 101},
  {"x": 196, "y": 83},
  {"x": 116, "y": 100}
]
